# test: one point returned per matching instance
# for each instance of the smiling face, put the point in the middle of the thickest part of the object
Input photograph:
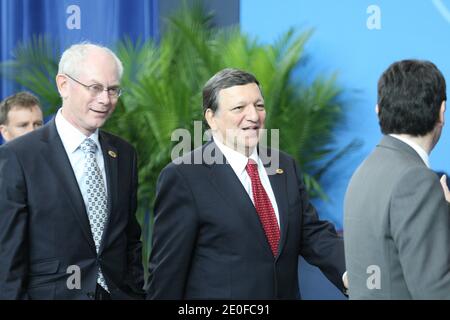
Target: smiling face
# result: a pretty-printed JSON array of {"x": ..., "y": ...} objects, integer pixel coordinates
[
  {"x": 239, "y": 118},
  {"x": 81, "y": 108}
]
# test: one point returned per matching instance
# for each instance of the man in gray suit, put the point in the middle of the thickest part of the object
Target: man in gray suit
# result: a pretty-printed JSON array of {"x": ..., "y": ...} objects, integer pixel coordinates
[{"x": 396, "y": 219}]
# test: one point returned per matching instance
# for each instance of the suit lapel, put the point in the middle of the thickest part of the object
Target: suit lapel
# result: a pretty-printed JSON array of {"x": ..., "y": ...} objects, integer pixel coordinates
[
  {"x": 110, "y": 156},
  {"x": 55, "y": 154},
  {"x": 230, "y": 188}
]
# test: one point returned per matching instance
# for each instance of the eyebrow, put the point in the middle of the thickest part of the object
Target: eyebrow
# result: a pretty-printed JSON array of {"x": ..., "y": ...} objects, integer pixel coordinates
[
  {"x": 22, "y": 123},
  {"x": 98, "y": 82},
  {"x": 240, "y": 102}
]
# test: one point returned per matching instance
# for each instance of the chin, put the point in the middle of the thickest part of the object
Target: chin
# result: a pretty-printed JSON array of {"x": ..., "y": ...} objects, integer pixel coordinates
[
  {"x": 98, "y": 122},
  {"x": 248, "y": 145},
  {"x": 252, "y": 142}
]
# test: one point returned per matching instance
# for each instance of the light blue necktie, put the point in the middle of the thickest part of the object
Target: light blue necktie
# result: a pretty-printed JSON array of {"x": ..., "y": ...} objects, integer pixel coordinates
[{"x": 96, "y": 198}]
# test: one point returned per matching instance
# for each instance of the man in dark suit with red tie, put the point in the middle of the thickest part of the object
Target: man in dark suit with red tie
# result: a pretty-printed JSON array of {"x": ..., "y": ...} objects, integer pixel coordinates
[
  {"x": 231, "y": 225},
  {"x": 68, "y": 194}
]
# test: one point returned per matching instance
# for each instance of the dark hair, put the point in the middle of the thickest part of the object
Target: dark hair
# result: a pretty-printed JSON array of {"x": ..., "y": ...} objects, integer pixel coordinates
[
  {"x": 21, "y": 99},
  {"x": 410, "y": 95},
  {"x": 223, "y": 79}
]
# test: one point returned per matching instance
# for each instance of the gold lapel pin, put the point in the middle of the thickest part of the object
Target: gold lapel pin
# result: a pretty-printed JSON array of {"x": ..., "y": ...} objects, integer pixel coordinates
[
  {"x": 112, "y": 154},
  {"x": 279, "y": 171}
]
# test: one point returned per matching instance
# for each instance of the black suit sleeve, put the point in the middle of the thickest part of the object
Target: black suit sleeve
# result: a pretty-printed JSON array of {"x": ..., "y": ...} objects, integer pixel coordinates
[
  {"x": 135, "y": 272},
  {"x": 321, "y": 245},
  {"x": 174, "y": 235},
  {"x": 13, "y": 227}
]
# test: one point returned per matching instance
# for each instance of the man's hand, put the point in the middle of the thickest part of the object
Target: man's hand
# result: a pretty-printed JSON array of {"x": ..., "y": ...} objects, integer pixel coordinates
[
  {"x": 445, "y": 187},
  {"x": 345, "y": 281}
]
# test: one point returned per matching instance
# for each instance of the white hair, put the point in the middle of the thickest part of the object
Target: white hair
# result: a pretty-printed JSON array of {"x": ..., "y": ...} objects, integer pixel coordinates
[{"x": 75, "y": 54}]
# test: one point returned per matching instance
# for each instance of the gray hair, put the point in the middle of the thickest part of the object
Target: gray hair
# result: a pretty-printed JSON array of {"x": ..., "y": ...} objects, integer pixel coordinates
[
  {"x": 75, "y": 54},
  {"x": 224, "y": 79}
]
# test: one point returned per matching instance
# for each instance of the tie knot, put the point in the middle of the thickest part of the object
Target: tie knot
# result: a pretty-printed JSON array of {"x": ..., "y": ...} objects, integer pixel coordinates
[
  {"x": 88, "y": 146},
  {"x": 251, "y": 167}
]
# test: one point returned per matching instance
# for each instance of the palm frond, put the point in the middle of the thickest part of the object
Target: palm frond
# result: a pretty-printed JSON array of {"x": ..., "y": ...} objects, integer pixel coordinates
[{"x": 34, "y": 66}]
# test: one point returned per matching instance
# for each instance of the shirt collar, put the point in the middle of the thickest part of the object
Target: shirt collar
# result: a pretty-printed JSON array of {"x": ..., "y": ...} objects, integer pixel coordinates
[
  {"x": 237, "y": 160},
  {"x": 71, "y": 136},
  {"x": 422, "y": 153}
]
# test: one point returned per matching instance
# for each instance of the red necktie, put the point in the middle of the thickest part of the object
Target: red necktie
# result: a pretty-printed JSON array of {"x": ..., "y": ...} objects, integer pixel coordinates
[{"x": 264, "y": 207}]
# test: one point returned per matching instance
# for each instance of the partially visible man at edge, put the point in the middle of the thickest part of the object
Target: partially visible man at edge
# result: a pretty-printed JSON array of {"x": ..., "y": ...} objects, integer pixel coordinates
[{"x": 19, "y": 114}]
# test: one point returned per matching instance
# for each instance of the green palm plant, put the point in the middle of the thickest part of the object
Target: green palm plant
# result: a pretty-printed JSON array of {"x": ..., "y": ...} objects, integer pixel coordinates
[
  {"x": 34, "y": 67},
  {"x": 162, "y": 92}
]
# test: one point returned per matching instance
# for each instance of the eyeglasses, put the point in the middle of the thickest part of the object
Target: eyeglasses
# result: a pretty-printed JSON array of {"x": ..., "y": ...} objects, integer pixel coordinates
[{"x": 97, "y": 89}]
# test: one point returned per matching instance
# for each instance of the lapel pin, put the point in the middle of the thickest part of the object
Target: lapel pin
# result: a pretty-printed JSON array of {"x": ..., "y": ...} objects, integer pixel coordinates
[
  {"x": 279, "y": 171},
  {"x": 112, "y": 154}
]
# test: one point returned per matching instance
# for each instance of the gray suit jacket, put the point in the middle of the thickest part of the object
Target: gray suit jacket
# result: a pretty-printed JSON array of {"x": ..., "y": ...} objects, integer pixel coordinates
[{"x": 396, "y": 227}]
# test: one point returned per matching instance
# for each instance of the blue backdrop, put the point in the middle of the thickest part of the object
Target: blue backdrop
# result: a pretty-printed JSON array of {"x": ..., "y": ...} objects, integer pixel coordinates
[
  {"x": 100, "y": 21},
  {"x": 359, "y": 39}
]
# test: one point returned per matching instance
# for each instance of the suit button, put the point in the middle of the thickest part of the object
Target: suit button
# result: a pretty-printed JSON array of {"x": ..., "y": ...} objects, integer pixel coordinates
[{"x": 91, "y": 295}]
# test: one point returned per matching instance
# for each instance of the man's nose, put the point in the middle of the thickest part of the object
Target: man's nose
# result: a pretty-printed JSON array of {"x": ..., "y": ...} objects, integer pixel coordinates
[
  {"x": 104, "y": 97},
  {"x": 252, "y": 114}
]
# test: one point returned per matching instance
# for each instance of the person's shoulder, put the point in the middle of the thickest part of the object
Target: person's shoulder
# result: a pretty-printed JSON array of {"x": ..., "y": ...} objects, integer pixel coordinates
[
  {"x": 415, "y": 180},
  {"x": 419, "y": 172},
  {"x": 273, "y": 152},
  {"x": 196, "y": 162},
  {"x": 189, "y": 160},
  {"x": 116, "y": 141},
  {"x": 276, "y": 156},
  {"x": 284, "y": 155}
]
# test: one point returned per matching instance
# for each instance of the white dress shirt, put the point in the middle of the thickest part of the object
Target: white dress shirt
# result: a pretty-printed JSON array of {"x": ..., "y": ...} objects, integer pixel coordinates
[
  {"x": 71, "y": 139},
  {"x": 422, "y": 153},
  {"x": 238, "y": 162}
]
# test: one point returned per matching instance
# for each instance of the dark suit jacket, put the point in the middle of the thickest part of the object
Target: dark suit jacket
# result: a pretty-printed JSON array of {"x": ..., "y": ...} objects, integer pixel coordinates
[
  {"x": 44, "y": 227},
  {"x": 208, "y": 242}
]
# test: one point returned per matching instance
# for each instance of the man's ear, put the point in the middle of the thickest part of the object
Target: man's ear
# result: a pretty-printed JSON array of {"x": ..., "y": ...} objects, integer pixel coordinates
[
  {"x": 442, "y": 113},
  {"x": 62, "y": 84},
  {"x": 209, "y": 116},
  {"x": 4, "y": 132}
]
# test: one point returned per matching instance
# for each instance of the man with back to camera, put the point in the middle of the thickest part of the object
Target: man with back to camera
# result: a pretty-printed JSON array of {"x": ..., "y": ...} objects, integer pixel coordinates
[
  {"x": 19, "y": 114},
  {"x": 396, "y": 219},
  {"x": 68, "y": 194}
]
